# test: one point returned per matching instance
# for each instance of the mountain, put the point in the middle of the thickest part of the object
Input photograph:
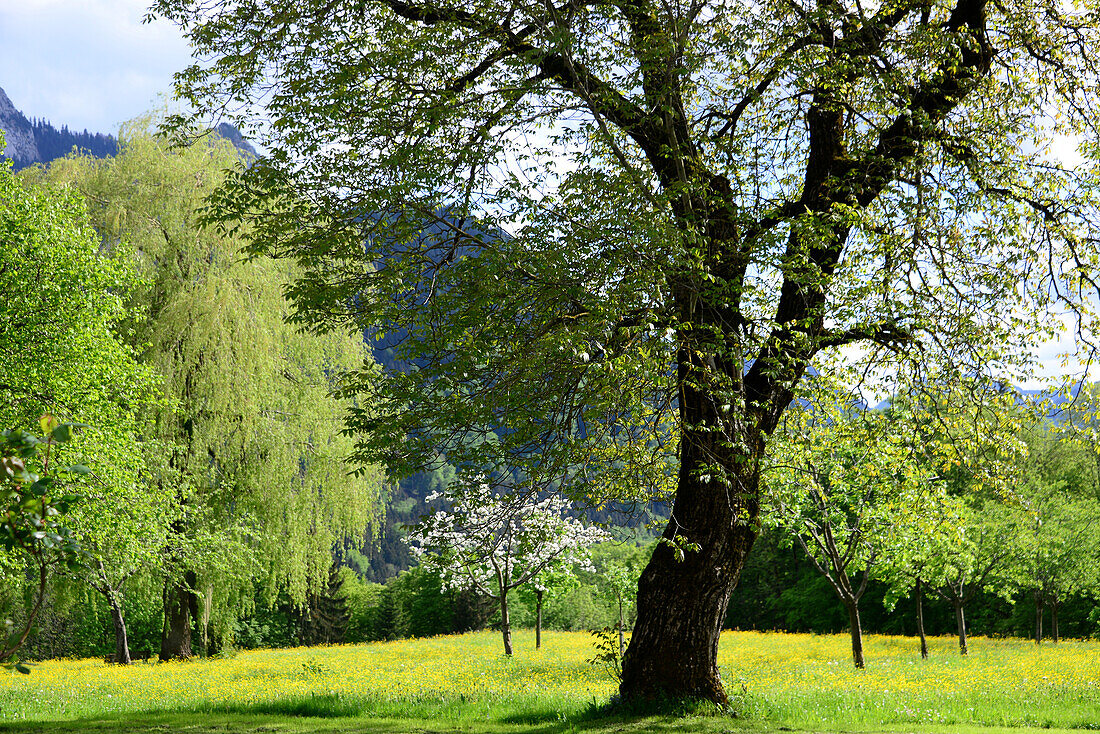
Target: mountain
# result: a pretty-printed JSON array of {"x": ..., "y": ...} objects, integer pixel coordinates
[
  {"x": 1058, "y": 405},
  {"x": 18, "y": 132},
  {"x": 38, "y": 141},
  {"x": 234, "y": 136}
]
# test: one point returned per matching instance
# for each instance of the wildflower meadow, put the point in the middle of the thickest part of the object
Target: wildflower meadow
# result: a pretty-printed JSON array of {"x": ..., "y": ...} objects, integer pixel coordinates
[{"x": 775, "y": 680}]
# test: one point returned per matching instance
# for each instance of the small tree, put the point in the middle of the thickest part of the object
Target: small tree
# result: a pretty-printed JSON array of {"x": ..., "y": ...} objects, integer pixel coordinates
[
  {"x": 927, "y": 534},
  {"x": 553, "y": 581},
  {"x": 983, "y": 560},
  {"x": 1061, "y": 557},
  {"x": 325, "y": 619},
  {"x": 969, "y": 436},
  {"x": 32, "y": 505},
  {"x": 618, "y": 569},
  {"x": 493, "y": 543},
  {"x": 841, "y": 484}
]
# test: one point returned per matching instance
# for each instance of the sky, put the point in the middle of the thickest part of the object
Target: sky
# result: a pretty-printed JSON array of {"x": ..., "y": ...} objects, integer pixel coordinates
[{"x": 88, "y": 64}]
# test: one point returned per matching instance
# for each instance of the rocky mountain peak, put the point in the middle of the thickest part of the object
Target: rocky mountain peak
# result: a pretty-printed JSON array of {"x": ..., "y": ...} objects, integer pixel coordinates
[
  {"x": 38, "y": 141},
  {"x": 18, "y": 132}
]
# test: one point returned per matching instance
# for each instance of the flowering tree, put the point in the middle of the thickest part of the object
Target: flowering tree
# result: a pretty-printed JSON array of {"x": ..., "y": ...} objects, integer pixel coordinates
[{"x": 493, "y": 543}]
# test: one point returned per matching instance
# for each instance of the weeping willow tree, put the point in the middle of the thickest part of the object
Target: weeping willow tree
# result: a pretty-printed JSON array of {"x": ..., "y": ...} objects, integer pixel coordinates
[{"x": 256, "y": 459}]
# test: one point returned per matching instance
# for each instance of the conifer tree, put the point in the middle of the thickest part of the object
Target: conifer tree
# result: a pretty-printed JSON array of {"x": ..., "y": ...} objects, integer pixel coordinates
[{"x": 326, "y": 616}]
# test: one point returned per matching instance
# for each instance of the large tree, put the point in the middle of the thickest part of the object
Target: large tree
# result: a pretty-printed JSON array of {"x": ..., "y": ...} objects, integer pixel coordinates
[{"x": 703, "y": 198}]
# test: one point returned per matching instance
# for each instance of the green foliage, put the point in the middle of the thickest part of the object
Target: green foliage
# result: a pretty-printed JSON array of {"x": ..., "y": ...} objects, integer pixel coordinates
[
  {"x": 364, "y": 601},
  {"x": 609, "y": 654},
  {"x": 63, "y": 350},
  {"x": 392, "y": 616},
  {"x": 34, "y": 502},
  {"x": 253, "y": 452},
  {"x": 325, "y": 617},
  {"x": 705, "y": 201},
  {"x": 851, "y": 488},
  {"x": 653, "y": 213},
  {"x": 1060, "y": 547},
  {"x": 574, "y": 610}
]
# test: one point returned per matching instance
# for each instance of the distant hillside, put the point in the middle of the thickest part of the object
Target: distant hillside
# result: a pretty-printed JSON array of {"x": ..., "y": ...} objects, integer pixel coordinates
[
  {"x": 234, "y": 136},
  {"x": 38, "y": 141},
  {"x": 1057, "y": 404}
]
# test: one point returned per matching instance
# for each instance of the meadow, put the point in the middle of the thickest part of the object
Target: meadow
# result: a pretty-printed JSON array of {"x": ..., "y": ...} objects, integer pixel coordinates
[{"x": 463, "y": 682}]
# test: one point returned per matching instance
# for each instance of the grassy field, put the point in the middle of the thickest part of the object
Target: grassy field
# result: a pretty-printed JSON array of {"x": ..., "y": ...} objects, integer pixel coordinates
[{"x": 463, "y": 683}]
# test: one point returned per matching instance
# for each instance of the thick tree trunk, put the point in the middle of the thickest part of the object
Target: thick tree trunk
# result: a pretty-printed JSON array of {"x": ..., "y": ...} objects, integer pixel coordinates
[
  {"x": 505, "y": 625},
  {"x": 920, "y": 621},
  {"x": 538, "y": 619},
  {"x": 122, "y": 643},
  {"x": 960, "y": 623},
  {"x": 857, "y": 633},
  {"x": 179, "y": 609},
  {"x": 682, "y": 595}
]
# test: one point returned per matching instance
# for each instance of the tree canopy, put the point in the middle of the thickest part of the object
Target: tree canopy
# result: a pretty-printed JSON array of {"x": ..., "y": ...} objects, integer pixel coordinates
[
  {"x": 703, "y": 200},
  {"x": 850, "y": 489}
]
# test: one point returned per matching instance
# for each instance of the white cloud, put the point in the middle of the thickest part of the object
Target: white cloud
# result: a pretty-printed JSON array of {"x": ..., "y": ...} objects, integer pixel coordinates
[{"x": 91, "y": 64}]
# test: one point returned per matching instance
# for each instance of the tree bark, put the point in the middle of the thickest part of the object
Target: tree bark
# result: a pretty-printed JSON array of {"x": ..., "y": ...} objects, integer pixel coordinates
[
  {"x": 856, "y": 632},
  {"x": 682, "y": 602},
  {"x": 960, "y": 623},
  {"x": 505, "y": 626},
  {"x": 920, "y": 621},
  {"x": 122, "y": 643},
  {"x": 538, "y": 618},
  {"x": 207, "y": 603},
  {"x": 179, "y": 609}
]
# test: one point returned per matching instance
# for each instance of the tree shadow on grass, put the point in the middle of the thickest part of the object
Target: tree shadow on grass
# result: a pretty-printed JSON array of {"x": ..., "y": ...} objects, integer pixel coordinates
[{"x": 336, "y": 714}]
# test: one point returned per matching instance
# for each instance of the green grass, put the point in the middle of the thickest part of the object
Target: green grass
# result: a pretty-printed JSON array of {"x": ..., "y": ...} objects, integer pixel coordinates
[{"x": 463, "y": 683}]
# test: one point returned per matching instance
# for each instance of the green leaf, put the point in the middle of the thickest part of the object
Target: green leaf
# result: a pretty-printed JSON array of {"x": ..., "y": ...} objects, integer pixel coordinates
[
  {"x": 76, "y": 469},
  {"x": 65, "y": 432},
  {"x": 42, "y": 486},
  {"x": 48, "y": 423}
]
